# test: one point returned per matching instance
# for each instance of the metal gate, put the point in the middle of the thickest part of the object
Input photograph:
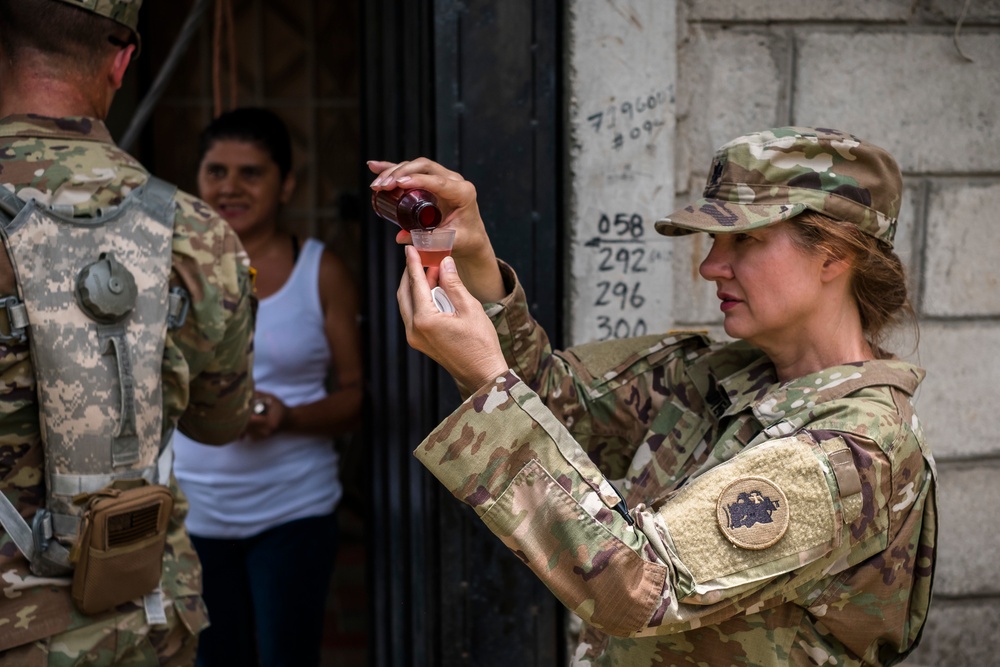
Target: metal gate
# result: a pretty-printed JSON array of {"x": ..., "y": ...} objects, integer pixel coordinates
[{"x": 475, "y": 86}]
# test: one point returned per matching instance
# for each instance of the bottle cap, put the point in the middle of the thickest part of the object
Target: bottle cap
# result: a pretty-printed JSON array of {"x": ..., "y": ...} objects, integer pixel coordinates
[{"x": 442, "y": 301}]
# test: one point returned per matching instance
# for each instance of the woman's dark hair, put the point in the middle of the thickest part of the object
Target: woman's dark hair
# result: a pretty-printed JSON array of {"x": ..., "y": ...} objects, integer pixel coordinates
[
  {"x": 252, "y": 125},
  {"x": 878, "y": 279}
]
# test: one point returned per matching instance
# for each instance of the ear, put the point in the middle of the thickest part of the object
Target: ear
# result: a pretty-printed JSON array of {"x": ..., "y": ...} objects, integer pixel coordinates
[
  {"x": 288, "y": 188},
  {"x": 120, "y": 63},
  {"x": 835, "y": 267}
]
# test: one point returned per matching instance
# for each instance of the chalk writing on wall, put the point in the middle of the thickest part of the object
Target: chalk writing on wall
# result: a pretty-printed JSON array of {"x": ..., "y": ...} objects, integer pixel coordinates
[
  {"x": 623, "y": 179},
  {"x": 630, "y": 121},
  {"x": 622, "y": 260}
]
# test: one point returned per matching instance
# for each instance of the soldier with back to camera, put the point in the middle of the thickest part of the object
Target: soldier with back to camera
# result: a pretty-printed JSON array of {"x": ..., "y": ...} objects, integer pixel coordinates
[{"x": 126, "y": 311}]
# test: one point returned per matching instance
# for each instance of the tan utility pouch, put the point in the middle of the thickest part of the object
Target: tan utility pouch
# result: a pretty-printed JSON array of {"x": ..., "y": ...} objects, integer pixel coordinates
[{"x": 119, "y": 552}]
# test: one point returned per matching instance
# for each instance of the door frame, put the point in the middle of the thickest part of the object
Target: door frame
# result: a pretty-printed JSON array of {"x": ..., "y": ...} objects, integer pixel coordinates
[{"x": 476, "y": 86}]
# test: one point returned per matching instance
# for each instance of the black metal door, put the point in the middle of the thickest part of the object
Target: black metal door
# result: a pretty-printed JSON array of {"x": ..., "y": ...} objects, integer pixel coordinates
[{"x": 475, "y": 86}]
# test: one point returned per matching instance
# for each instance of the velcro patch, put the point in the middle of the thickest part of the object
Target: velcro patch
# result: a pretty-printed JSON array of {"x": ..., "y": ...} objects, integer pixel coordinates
[
  {"x": 802, "y": 491},
  {"x": 753, "y": 513}
]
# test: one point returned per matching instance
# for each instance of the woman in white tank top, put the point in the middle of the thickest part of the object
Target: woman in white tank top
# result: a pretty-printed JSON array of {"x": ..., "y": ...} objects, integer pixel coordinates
[{"x": 262, "y": 508}]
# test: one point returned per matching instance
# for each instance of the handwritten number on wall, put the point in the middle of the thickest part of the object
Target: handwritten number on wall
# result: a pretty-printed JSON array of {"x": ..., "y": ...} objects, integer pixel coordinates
[
  {"x": 624, "y": 259},
  {"x": 620, "y": 328},
  {"x": 620, "y": 294},
  {"x": 623, "y": 225},
  {"x": 627, "y": 121},
  {"x": 621, "y": 253}
]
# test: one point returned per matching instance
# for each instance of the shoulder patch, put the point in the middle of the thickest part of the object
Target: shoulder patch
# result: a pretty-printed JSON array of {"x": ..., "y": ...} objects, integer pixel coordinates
[
  {"x": 725, "y": 543},
  {"x": 753, "y": 513}
]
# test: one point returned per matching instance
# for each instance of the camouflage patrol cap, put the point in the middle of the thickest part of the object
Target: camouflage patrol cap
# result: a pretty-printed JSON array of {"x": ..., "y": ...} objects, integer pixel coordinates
[
  {"x": 766, "y": 177},
  {"x": 125, "y": 12}
]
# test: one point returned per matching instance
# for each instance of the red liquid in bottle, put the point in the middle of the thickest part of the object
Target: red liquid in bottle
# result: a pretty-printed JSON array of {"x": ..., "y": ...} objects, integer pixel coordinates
[{"x": 410, "y": 209}]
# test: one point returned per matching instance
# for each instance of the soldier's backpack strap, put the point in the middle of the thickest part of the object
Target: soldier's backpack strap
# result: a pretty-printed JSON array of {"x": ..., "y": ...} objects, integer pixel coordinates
[
  {"x": 10, "y": 206},
  {"x": 15, "y": 525},
  {"x": 158, "y": 198},
  {"x": 13, "y": 522},
  {"x": 10, "y": 304},
  {"x": 33, "y": 539}
]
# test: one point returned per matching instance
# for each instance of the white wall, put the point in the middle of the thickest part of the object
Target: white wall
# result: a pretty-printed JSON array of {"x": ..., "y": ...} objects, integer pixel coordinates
[{"x": 622, "y": 64}]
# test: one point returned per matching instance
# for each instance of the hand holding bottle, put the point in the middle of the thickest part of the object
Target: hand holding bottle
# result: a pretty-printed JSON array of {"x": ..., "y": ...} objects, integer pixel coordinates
[{"x": 456, "y": 198}]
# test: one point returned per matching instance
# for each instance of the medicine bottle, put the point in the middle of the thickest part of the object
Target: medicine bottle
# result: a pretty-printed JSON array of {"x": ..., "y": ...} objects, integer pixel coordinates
[{"x": 410, "y": 209}]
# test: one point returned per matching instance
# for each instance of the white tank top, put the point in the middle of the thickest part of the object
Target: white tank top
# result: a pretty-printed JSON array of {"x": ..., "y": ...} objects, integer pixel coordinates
[{"x": 243, "y": 488}]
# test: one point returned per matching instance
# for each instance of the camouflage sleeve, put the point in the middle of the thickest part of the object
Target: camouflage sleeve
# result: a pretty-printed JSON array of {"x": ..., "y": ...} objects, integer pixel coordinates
[
  {"x": 525, "y": 345},
  {"x": 605, "y": 429},
  {"x": 686, "y": 563},
  {"x": 208, "y": 362}
]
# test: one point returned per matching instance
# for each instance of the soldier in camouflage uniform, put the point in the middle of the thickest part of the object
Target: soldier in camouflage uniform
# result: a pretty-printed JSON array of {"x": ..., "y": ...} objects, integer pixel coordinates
[
  {"x": 60, "y": 63},
  {"x": 768, "y": 501}
]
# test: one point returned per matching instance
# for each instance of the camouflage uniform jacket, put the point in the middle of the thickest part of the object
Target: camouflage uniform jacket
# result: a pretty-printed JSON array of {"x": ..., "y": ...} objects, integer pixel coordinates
[
  {"x": 774, "y": 524},
  {"x": 206, "y": 379}
]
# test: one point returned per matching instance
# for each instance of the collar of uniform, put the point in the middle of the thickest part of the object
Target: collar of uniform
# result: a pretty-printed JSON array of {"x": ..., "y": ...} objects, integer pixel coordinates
[
  {"x": 712, "y": 372},
  {"x": 756, "y": 388},
  {"x": 70, "y": 127}
]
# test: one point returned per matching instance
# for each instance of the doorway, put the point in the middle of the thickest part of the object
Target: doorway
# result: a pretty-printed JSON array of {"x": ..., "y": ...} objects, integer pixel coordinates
[
  {"x": 300, "y": 59},
  {"x": 475, "y": 85}
]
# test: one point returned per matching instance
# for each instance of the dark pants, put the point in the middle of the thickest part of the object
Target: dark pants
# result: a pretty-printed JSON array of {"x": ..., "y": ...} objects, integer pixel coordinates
[{"x": 272, "y": 586}]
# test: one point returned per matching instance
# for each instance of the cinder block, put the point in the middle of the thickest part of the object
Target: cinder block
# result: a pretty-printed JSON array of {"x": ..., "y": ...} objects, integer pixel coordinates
[
  {"x": 968, "y": 495},
  {"x": 730, "y": 83},
  {"x": 959, "y": 633},
  {"x": 695, "y": 302},
  {"x": 961, "y": 274},
  {"x": 796, "y": 10},
  {"x": 957, "y": 401},
  {"x": 908, "y": 233},
  {"x": 980, "y": 11},
  {"x": 911, "y": 93}
]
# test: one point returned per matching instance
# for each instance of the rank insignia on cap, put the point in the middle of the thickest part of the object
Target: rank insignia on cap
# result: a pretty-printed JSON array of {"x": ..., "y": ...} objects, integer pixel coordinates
[{"x": 752, "y": 513}]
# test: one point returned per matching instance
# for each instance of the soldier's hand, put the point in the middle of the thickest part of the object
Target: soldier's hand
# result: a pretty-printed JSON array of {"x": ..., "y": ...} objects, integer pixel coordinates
[
  {"x": 463, "y": 342},
  {"x": 473, "y": 250}
]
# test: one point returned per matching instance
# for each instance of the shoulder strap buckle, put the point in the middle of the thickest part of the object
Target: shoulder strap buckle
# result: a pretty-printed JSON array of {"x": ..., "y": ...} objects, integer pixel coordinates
[
  {"x": 50, "y": 558},
  {"x": 179, "y": 301},
  {"x": 17, "y": 320}
]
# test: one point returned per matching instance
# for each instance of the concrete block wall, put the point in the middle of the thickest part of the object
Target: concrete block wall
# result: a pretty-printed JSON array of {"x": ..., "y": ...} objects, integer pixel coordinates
[
  {"x": 918, "y": 77},
  {"x": 896, "y": 73}
]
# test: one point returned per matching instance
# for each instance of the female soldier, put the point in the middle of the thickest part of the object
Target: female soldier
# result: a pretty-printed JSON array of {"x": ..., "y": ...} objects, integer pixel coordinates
[{"x": 764, "y": 502}]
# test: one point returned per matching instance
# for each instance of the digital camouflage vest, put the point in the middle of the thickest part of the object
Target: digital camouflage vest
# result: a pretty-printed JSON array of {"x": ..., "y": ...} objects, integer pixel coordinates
[{"x": 93, "y": 301}]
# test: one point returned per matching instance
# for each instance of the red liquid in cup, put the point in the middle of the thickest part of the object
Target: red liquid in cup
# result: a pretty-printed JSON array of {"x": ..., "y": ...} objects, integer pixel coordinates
[
  {"x": 410, "y": 209},
  {"x": 432, "y": 257}
]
